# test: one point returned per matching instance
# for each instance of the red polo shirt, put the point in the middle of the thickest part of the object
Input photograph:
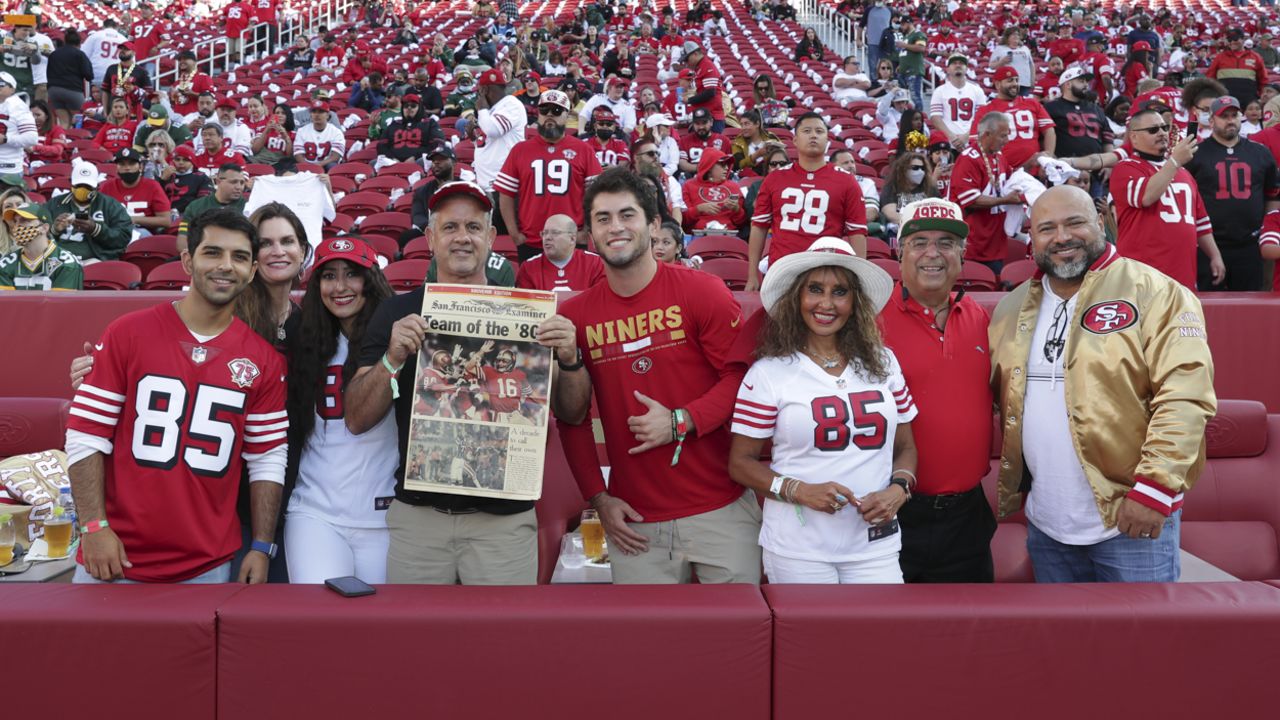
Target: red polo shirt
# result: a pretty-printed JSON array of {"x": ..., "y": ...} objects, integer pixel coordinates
[{"x": 949, "y": 373}]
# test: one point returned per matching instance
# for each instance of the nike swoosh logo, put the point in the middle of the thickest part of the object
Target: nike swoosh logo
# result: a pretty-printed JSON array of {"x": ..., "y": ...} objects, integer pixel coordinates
[
  {"x": 749, "y": 387},
  {"x": 736, "y": 321},
  {"x": 98, "y": 346}
]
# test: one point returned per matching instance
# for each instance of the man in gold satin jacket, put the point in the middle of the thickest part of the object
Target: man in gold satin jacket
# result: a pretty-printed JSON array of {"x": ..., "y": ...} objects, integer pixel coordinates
[{"x": 1104, "y": 383}]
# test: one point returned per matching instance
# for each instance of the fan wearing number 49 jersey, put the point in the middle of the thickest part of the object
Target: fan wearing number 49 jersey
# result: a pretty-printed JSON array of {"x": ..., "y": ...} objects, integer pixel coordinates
[
  {"x": 806, "y": 201},
  {"x": 181, "y": 397}
]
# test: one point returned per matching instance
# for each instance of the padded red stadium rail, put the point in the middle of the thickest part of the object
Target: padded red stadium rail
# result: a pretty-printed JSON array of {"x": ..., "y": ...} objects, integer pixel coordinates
[
  {"x": 111, "y": 653},
  {"x": 51, "y": 328},
  {"x": 638, "y": 652},
  {"x": 1048, "y": 652}
]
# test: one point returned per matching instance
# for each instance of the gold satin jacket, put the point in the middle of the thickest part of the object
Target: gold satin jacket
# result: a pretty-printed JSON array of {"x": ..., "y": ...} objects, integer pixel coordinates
[{"x": 1139, "y": 385}]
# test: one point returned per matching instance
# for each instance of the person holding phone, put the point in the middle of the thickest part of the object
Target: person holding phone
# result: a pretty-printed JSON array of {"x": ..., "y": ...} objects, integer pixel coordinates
[{"x": 89, "y": 224}]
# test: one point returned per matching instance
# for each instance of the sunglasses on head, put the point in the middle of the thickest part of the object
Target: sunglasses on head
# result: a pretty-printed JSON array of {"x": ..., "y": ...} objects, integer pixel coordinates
[{"x": 551, "y": 110}]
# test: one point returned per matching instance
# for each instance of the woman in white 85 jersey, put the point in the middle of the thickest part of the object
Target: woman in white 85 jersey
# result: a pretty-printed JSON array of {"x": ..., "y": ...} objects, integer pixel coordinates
[{"x": 833, "y": 400}]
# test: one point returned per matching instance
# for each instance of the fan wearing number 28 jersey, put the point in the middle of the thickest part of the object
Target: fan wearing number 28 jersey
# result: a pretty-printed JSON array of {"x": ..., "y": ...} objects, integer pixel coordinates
[
  {"x": 1164, "y": 234},
  {"x": 800, "y": 206}
]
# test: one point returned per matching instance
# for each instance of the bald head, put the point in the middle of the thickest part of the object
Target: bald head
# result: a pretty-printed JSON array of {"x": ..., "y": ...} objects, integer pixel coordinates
[
  {"x": 1066, "y": 234},
  {"x": 559, "y": 235}
]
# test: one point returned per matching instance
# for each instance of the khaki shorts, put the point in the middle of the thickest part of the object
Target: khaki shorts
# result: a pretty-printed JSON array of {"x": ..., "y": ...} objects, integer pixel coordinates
[
  {"x": 429, "y": 547},
  {"x": 722, "y": 545}
]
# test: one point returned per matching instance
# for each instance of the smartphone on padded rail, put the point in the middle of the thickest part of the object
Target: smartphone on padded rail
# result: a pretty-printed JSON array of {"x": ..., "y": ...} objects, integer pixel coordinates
[{"x": 349, "y": 586}]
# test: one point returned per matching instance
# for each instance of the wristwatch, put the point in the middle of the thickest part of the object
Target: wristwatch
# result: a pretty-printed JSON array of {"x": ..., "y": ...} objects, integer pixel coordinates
[
  {"x": 902, "y": 483},
  {"x": 570, "y": 368},
  {"x": 266, "y": 548}
]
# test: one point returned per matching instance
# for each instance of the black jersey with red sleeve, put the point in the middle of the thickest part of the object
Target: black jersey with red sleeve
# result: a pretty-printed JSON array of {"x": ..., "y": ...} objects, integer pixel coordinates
[
  {"x": 182, "y": 417},
  {"x": 1235, "y": 183}
]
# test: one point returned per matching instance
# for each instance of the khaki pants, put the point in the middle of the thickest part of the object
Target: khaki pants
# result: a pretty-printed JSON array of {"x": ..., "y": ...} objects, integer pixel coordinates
[
  {"x": 434, "y": 548},
  {"x": 722, "y": 545}
]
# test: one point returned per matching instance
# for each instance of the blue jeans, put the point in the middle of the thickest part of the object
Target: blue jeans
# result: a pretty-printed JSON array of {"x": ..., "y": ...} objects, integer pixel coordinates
[
  {"x": 873, "y": 58},
  {"x": 1120, "y": 559},
  {"x": 220, "y": 574},
  {"x": 914, "y": 83}
]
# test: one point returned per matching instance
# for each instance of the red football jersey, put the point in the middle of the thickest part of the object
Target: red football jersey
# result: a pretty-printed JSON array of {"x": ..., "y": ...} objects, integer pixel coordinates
[
  {"x": 145, "y": 198},
  {"x": 1069, "y": 49},
  {"x": 1047, "y": 88},
  {"x": 505, "y": 389},
  {"x": 707, "y": 77},
  {"x": 1164, "y": 234},
  {"x": 264, "y": 11},
  {"x": 1271, "y": 237},
  {"x": 614, "y": 152},
  {"x": 211, "y": 162},
  {"x": 680, "y": 112},
  {"x": 183, "y": 417},
  {"x": 971, "y": 178},
  {"x": 237, "y": 19},
  {"x": 945, "y": 45},
  {"x": 799, "y": 207},
  {"x": 1129, "y": 79},
  {"x": 547, "y": 180},
  {"x": 330, "y": 60},
  {"x": 538, "y": 273},
  {"x": 691, "y": 146},
  {"x": 184, "y": 101},
  {"x": 1030, "y": 120},
  {"x": 114, "y": 138},
  {"x": 1101, "y": 66}
]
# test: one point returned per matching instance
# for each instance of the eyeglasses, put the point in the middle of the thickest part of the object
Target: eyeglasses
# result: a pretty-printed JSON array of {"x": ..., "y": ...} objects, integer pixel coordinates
[
  {"x": 647, "y": 153},
  {"x": 1055, "y": 341},
  {"x": 944, "y": 245},
  {"x": 779, "y": 163},
  {"x": 1153, "y": 130},
  {"x": 551, "y": 111}
]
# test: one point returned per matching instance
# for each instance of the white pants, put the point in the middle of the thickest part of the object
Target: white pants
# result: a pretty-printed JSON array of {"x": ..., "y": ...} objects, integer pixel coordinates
[
  {"x": 317, "y": 550},
  {"x": 876, "y": 571}
]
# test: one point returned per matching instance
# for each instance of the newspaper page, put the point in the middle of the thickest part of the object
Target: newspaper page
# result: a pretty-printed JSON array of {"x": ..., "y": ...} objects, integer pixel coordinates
[{"x": 481, "y": 393}]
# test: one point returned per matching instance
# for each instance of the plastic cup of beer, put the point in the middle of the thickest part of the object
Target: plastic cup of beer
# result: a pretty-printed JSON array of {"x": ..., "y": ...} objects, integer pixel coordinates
[
  {"x": 8, "y": 536},
  {"x": 592, "y": 535},
  {"x": 57, "y": 533}
]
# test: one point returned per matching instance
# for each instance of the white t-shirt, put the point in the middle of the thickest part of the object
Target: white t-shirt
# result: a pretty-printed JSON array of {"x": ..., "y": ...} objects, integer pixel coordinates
[
  {"x": 796, "y": 403},
  {"x": 1022, "y": 62},
  {"x": 103, "y": 49},
  {"x": 341, "y": 476},
  {"x": 1061, "y": 502},
  {"x": 316, "y": 145},
  {"x": 957, "y": 105},
  {"x": 503, "y": 126},
  {"x": 40, "y": 72},
  {"x": 844, "y": 95},
  {"x": 303, "y": 193}
]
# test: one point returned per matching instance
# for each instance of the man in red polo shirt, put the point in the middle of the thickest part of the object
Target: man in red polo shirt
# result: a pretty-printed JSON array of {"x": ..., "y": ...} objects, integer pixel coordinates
[{"x": 940, "y": 339}]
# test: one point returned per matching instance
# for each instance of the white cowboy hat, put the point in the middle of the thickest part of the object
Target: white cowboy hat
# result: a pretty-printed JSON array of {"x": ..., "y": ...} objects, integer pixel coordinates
[{"x": 877, "y": 285}]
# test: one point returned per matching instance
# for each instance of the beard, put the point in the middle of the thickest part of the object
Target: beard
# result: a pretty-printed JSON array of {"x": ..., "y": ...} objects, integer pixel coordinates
[
  {"x": 550, "y": 132},
  {"x": 1076, "y": 269}
]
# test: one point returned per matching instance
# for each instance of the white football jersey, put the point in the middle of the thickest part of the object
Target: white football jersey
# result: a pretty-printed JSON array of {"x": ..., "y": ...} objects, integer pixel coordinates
[
  {"x": 500, "y": 128},
  {"x": 957, "y": 105},
  {"x": 315, "y": 146},
  {"x": 824, "y": 428},
  {"x": 346, "y": 479}
]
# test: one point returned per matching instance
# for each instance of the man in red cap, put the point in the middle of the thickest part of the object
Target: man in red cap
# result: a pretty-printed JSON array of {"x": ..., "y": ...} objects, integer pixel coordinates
[
  {"x": 1032, "y": 130},
  {"x": 706, "y": 84},
  {"x": 235, "y": 134},
  {"x": 500, "y": 121},
  {"x": 1241, "y": 71},
  {"x": 320, "y": 142},
  {"x": 544, "y": 176},
  {"x": 604, "y": 138}
]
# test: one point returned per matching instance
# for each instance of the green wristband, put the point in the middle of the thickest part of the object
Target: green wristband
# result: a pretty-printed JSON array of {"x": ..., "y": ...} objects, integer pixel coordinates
[{"x": 395, "y": 373}]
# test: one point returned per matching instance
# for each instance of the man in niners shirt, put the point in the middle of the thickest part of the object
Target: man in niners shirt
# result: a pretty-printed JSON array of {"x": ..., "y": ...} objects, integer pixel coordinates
[
  {"x": 655, "y": 339},
  {"x": 1032, "y": 129},
  {"x": 808, "y": 200},
  {"x": 562, "y": 266},
  {"x": 702, "y": 136}
]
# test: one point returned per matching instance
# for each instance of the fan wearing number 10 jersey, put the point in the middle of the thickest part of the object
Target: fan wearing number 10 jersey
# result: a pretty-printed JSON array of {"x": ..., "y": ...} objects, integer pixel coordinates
[
  {"x": 808, "y": 200},
  {"x": 181, "y": 397}
]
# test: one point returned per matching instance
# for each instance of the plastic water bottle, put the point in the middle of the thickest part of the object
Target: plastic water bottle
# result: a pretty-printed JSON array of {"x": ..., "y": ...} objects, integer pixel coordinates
[{"x": 68, "y": 505}]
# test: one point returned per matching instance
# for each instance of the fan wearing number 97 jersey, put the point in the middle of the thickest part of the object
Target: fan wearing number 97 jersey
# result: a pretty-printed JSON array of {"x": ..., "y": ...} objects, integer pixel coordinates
[
  {"x": 1164, "y": 234},
  {"x": 824, "y": 428},
  {"x": 800, "y": 206},
  {"x": 178, "y": 419},
  {"x": 547, "y": 179}
]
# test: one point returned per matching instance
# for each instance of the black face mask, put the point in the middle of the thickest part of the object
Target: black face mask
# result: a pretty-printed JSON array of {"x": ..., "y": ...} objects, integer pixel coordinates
[
  {"x": 130, "y": 177},
  {"x": 604, "y": 133},
  {"x": 126, "y": 59}
]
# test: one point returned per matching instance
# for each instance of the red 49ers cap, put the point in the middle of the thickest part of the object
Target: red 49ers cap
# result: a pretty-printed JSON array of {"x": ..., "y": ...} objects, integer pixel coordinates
[
  {"x": 460, "y": 187},
  {"x": 1004, "y": 73},
  {"x": 353, "y": 250}
]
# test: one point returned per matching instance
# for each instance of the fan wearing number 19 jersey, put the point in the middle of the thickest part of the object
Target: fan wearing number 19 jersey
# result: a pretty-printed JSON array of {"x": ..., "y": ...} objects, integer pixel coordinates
[
  {"x": 1030, "y": 122},
  {"x": 546, "y": 179},
  {"x": 178, "y": 417}
]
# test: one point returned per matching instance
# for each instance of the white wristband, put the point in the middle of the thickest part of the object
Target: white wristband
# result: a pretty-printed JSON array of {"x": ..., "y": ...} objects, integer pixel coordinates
[{"x": 776, "y": 486}]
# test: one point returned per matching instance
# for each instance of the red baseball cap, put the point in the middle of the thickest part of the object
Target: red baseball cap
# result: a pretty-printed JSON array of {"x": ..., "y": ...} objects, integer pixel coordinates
[
  {"x": 320, "y": 105},
  {"x": 460, "y": 187},
  {"x": 411, "y": 98},
  {"x": 185, "y": 151},
  {"x": 1004, "y": 73},
  {"x": 532, "y": 76},
  {"x": 353, "y": 250},
  {"x": 492, "y": 76},
  {"x": 1141, "y": 45},
  {"x": 686, "y": 74},
  {"x": 228, "y": 103},
  {"x": 603, "y": 113}
]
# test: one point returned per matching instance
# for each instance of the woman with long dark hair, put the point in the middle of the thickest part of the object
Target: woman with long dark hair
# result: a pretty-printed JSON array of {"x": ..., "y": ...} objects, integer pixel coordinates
[
  {"x": 335, "y": 525},
  {"x": 275, "y": 141},
  {"x": 832, "y": 399}
]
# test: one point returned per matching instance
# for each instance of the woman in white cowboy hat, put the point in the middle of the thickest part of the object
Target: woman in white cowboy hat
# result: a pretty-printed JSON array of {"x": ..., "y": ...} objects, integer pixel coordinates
[{"x": 832, "y": 399}]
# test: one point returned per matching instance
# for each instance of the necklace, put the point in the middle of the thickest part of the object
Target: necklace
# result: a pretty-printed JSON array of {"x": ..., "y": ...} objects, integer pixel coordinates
[{"x": 827, "y": 363}]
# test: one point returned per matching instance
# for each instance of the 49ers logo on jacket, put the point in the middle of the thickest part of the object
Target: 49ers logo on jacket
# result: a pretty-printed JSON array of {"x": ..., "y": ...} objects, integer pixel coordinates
[
  {"x": 1108, "y": 317},
  {"x": 243, "y": 372},
  {"x": 714, "y": 194}
]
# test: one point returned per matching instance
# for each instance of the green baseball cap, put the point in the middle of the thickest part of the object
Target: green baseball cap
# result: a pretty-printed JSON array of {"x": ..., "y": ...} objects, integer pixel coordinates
[
  {"x": 157, "y": 115},
  {"x": 13, "y": 180},
  {"x": 30, "y": 210}
]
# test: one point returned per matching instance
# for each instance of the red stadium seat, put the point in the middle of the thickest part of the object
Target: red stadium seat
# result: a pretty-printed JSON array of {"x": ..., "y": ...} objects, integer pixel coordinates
[
  {"x": 1017, "y": 250},
  {"x": 710, "y": 247},
  {"x": 407, "y": 274},
  {"x": 95, "y": 155},
  {"x": 976, "y": 277},
  {"x": 385, "y": 183},
  {"x": 150, "y": 252},
  {"x": 342, "y": 184},
  {"x": 1016, "y": 273},
  {"x": 170, "y": 276},
  {"x": 890, "y": 266},
  {"x": 418, "y": 248},
  {"x": 506, "y": 247},
  {"x": 363, "y": 203},
  {"x": 32, "y": 424},
  {"x": 112, "y": 275},
  {"x": 401, "y": 169},
  {"x": 390, "y": 224},
  {"x": 732, "y": 271},
  {"x": 877, "y": 248},
  {"x": 259, "y": 169},
  {"x": 385, "y": 246},
  {"x": 366, "y": 154},
  {"x": 341, "y": 223},
  {"x": 403, "y": 204},
  {"x": 355, "y": 170}
]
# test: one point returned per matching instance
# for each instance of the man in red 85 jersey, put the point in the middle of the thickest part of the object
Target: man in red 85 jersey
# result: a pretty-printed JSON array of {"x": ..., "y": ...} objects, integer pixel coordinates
[
  {"x": 544, "y": 176},
  {"x": 181, "y": 397},
  {"x": 321, "y": 142},
  {"x": 806, "y": 201}
]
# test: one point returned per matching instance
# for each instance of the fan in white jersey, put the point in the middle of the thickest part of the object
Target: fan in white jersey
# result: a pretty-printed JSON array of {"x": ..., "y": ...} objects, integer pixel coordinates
[
  {"x": 320, "y": 141},
  {"x": 833, "y": 400},
  {"x": 336, "y": 523},
  {"x": 954, "y": 102},
  {"x": 500, "y": 123}
]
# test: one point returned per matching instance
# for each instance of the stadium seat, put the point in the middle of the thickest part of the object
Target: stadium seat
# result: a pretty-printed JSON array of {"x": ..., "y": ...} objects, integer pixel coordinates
[
  {"x": 406, "y": 275},
  {"x": 390, "y": 224},
  {"x": 170, "y": 276},
  {"x": 506, "y": 247},
  {"x": 112, "y": 275},
  {"x": 401, "y": 169},
  {"x": 150, "y": 252},
  {"x": 890, "y": 266},
  {"x": 32, "y": 424},
  {"x": 385, "y": 246},
  {"x": 385, "y": 183},
  {"x": 418, "y": 248},
  {"x": 733, "y": 271},
  {"x": 259, "y": 169},
  {"x": 1016, "y": 273},
  {"x": 356, "y": 170},
  {"x": 363, "y": 203},
  {"x": 877, "y": 248},
  {"x": 366, "y": 154},
  {"x": 403, "y": 204},
  {"x": 976, "y": 277},
  {"x": 1017, "y": 250},
  {"x": 710, "y": 247}
]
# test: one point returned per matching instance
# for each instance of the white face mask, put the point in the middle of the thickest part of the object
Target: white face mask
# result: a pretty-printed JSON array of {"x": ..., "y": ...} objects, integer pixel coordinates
[
  {"x": 915, "y": 176},
  {"x": 1204, "y": 119}
]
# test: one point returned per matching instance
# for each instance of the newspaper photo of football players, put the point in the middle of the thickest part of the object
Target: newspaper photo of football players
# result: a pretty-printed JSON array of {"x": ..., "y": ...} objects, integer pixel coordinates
[
  {"x": 467, "y": 378},
  {"x": 459, "y": 455}
]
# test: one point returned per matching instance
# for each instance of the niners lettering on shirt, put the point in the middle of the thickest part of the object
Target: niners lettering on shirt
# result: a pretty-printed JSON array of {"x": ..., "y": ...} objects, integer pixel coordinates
[
  {"x": 547, "y": 180},
  {"x": 178, "y": 419},
  {"x": 1164, "y": 234},
  {"x": 316, "y": 145},
  {"x": 801, "y": 206},
  {"x": 1029, "y": 122}
]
